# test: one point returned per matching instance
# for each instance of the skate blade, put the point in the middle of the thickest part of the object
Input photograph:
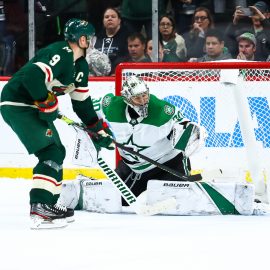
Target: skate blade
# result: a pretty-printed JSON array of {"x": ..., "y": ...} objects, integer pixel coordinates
[
  {"x": 39, "y": 223},
  {"x": 70, "y": 219}
]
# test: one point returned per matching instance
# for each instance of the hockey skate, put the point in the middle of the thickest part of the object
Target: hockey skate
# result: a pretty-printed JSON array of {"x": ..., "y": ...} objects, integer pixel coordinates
[
  {"x": 44, "y": 216},
  {"x": 69, "y": 214},
  {"x": 70, "y": 211}
]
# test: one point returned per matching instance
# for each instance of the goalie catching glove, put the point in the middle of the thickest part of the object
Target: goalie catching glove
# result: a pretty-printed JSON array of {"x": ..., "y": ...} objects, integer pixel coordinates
[
  {"x": 48, "y": 109},
  {"x": 101, "y": 135},
  {"x": 188, "y": 137}
]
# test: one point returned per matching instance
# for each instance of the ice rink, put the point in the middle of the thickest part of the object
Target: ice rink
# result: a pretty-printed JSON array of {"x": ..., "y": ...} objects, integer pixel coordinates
[{"x": 128, "y": 241}]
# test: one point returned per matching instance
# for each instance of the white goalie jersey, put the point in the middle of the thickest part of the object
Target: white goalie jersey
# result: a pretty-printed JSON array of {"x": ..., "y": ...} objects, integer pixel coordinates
[{"x": 155, "y": 136}]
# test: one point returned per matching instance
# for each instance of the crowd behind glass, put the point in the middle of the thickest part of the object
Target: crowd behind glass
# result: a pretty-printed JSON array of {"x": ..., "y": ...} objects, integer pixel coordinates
[{"x": 189, "y": 31}]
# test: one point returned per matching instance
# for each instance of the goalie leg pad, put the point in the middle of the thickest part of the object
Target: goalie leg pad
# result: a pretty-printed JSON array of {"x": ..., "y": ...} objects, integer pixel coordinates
[
  {"x": 100, "y": 196},
  {"x": 70, "y": 194},
  {"x": 92, "y": 195},
  {"x": 203, "y": 198}
]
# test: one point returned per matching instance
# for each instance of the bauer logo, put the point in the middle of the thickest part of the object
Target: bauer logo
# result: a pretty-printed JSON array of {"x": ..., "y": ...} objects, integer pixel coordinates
[
  {"x": 92, "y": 183},
  {"x": 78, "y": 145},
  {"x": 176, "y": 185}
]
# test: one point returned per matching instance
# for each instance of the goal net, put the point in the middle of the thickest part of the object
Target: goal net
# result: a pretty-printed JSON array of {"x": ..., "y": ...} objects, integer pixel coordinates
[{"x": 231, "y": 100}]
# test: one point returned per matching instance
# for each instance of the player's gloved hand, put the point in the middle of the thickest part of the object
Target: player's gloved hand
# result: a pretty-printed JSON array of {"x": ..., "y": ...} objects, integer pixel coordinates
[
  {"x": 48, "y": 109},
  {"x": 101, "y": 135}
]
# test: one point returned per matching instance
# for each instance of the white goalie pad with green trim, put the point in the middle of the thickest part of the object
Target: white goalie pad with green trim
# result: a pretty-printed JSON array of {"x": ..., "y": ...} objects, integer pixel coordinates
[
  {"x": 203, "y": 198},
  {"x": 100, "y": 196},
  {"x": 92, "y": 195}
]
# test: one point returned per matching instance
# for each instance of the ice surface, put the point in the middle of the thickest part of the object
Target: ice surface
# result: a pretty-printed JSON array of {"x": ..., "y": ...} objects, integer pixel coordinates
[{"x": 128, "y": 241}]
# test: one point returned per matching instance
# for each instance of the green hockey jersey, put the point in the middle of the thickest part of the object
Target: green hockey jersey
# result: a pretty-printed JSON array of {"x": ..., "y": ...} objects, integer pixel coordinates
[
  {"x": 52, "y": 66},
  {"x": 149, "y": 136}
]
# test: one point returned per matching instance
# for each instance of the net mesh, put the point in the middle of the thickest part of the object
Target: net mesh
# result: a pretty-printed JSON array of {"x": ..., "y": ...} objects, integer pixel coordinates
[{"x": 207, "y": 96}]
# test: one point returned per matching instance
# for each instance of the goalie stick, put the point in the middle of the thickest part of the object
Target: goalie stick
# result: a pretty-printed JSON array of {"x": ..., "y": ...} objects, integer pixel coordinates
[
  {"x": 190, "y": 178},
  {"x": 126, "y": 193}
]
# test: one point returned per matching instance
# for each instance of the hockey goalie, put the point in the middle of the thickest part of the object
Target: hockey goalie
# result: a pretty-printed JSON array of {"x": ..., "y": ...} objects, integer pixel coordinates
[{"x": 158, "y": 130}]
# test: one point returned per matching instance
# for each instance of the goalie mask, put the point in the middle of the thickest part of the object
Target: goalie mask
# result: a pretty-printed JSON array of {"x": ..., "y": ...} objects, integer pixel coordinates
[{"x": 136, "y": 94}]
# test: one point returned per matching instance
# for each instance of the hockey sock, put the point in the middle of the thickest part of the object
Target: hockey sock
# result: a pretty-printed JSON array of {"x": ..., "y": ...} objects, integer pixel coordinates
[{"x": 48, "y": 175}]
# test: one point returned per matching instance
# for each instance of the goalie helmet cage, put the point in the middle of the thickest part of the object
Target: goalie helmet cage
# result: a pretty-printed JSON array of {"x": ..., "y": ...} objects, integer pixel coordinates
[{"x": 230, "y": 99}]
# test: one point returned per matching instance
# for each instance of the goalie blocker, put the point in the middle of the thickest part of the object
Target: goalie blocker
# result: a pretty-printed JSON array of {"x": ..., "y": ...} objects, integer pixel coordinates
[{"x": 192, "y": 198}]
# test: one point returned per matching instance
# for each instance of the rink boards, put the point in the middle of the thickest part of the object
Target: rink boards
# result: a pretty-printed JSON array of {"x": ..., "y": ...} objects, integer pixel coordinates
[{"x": 194, "y": 99}]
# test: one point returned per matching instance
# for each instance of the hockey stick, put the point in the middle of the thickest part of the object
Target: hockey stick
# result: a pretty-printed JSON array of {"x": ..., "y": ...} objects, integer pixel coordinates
[
  {"x": 190, "y": 178},
  {"x": 131, "y": 199},
  {"x": 126, "y": 193}
]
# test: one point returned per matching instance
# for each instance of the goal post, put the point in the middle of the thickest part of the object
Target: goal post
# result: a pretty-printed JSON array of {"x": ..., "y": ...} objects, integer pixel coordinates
[{"x": 230, "y": 99}]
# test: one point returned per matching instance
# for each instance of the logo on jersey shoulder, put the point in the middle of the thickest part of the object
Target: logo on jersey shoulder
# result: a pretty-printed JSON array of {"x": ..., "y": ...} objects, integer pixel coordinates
[
  {"x": 49, "y": 133},
  {"x": 106, "y": 101},
  {"x": 169, "y": 110}
]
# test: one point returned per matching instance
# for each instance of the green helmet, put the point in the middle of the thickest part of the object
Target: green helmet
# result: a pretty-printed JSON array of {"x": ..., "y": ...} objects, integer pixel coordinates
[{"x": 75, "y": 28}]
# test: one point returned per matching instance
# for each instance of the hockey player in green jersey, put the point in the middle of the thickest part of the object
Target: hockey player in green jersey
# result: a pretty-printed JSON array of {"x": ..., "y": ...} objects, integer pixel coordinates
[
  {"x": 152, "y": 127},
  {"x": 29, "y": 105}
]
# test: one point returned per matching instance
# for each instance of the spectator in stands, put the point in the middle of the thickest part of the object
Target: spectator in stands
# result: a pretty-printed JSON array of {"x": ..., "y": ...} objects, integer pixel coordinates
[
  {"x": 112, "y": 40},
  {"x": 195, "y": 39},
  {"x": 256, "y": 22},
  {"x": 136, "y": 50},
  {"x": 149, "y": 50},
  {"x": 214, "y": 46},
  {"x": 96, "y": 9},
  {"x": 174, "y": 47},
  {"x": 137, "y": 14},
  {"x": 247, "y": 47},
  {"x": 183, "y": 11}
]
